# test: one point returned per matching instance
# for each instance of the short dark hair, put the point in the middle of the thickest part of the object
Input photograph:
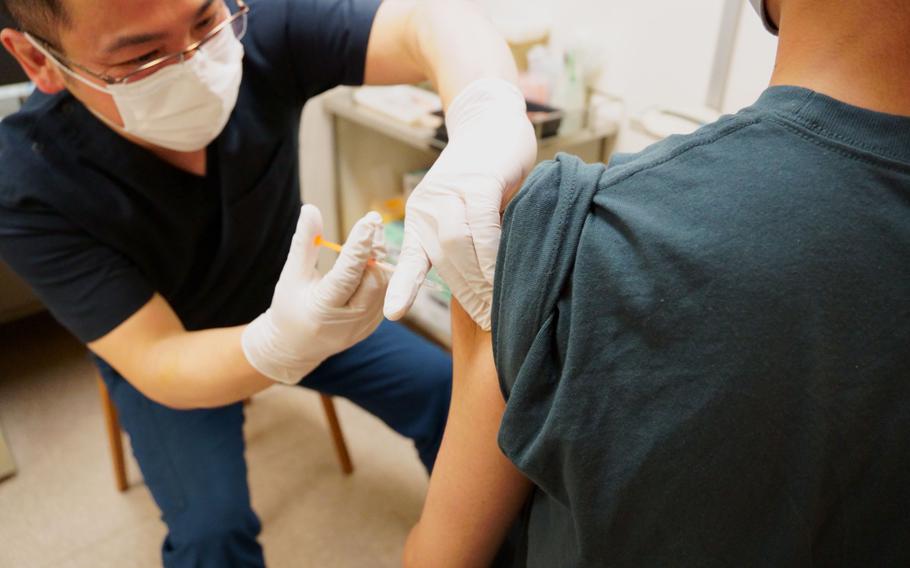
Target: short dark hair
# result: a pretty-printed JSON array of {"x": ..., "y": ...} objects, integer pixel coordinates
[{"x": 40, "y": 17}]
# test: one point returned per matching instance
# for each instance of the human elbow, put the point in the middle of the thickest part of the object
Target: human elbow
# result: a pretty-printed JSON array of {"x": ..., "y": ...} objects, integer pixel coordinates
[{"x": 167, "y": 399}]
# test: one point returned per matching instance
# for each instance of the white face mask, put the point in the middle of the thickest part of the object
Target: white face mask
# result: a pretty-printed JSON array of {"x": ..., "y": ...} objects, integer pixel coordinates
[{"x": 184, "y": 106}]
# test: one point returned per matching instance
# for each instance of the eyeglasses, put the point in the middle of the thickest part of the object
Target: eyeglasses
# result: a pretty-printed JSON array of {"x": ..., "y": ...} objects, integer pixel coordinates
[{"x": 237, "y": 20}]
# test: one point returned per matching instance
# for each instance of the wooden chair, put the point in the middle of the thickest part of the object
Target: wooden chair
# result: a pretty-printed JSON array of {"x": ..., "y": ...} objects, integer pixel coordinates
[{"x": 115, "y": 440}]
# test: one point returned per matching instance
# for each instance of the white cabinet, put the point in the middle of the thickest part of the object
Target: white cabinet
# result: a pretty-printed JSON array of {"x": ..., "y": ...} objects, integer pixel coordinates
[{"x": 373, "y": 152}]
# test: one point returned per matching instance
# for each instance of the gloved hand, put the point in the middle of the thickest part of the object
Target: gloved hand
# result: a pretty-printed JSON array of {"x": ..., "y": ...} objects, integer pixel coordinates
[
  {"x": 453, "y": 217},
  {"x": 313, "y": 317}
]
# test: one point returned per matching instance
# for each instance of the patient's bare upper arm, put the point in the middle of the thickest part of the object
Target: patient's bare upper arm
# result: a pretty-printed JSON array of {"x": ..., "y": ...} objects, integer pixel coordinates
[{"x": 475, "y": 491}]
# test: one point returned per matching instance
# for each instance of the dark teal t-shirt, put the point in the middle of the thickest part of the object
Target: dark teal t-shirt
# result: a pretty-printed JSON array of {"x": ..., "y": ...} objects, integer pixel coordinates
[{"x": 705, "y": 348}]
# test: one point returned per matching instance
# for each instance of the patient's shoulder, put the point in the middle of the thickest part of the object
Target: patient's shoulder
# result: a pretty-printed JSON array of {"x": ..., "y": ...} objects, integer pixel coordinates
[{"x": 543, "y": 225}]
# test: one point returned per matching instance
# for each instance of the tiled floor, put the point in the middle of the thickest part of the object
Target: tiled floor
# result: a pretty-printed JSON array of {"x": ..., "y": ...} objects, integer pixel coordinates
[{"x": 62, "y": 509}]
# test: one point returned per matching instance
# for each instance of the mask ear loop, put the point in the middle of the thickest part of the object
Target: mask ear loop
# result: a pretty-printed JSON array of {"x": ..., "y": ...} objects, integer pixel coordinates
[
  {"x": 78, "y": 77},
  {"x": 37, "y": 45}
]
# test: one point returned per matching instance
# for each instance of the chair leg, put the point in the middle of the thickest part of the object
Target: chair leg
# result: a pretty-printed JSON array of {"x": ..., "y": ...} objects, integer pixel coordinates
[
  {"x": 114, "y": 436},
  {"x": 341, "y": 446}
]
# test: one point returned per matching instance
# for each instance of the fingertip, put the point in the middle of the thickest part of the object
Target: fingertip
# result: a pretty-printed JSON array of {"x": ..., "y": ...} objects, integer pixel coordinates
[
  {"x": 310, "y": 220},
  {"x": 399, "y": 296},
  {"x": 390, "y": 307},
  {"x": 395, "y": 308},
  {"x": 410, "y": 273},
  {"x": 392, "y": 314},
  {"x": 360, "y": 240}
]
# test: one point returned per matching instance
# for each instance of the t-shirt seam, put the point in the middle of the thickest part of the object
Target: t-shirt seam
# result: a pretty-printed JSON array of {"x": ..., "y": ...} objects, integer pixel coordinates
[
  {"x": 823, "y": 138},
  {"x": 823, "y": 130},
  {"x": 679, "y": 152},
  {"x": 562, "y": 205}
]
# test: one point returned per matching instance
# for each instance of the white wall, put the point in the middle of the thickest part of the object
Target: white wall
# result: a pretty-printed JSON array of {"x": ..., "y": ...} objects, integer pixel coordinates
[
  {"x": 658, "y": 52},
  {"x": 753, "y": 62}
]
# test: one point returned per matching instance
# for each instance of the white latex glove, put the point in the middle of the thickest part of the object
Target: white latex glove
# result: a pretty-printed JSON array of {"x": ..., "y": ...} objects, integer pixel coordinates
[
  {"x": 453, "y": 217},
  {"x": 313, "y": 317}
]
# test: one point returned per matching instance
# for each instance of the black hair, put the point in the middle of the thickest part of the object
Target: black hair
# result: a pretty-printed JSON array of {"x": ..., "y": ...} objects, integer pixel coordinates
[{"x": 39, "y": 17}]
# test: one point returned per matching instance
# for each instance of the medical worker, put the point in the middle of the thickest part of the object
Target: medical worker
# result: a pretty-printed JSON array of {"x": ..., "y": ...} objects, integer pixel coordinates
[{"x": 149, "y": 196}]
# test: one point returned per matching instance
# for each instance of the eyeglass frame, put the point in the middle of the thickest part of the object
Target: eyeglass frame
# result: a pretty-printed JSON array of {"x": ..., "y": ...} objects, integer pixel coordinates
[{"x": 243, "y": 10}]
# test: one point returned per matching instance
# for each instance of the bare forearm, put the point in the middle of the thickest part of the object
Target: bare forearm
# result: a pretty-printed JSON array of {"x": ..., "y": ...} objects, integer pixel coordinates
[
  {"x": 202, "y": 369},
  {"x": 177, "y": 368}
]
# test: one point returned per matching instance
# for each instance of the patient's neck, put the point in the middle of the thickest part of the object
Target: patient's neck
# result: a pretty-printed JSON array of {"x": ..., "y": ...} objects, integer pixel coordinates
[{"x": 856, "y": 51}]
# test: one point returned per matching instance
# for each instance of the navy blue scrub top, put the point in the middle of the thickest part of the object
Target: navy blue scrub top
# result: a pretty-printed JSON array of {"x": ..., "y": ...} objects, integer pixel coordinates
[{"x": 96, "y": 225}]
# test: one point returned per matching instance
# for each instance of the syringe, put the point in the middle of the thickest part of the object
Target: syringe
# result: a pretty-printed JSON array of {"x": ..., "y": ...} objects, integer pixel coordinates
[{"x": 381, "y": 264}]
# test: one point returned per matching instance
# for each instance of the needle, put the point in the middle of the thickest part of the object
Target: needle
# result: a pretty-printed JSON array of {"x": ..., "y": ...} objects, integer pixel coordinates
[{"x": 390, "y": 268}]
